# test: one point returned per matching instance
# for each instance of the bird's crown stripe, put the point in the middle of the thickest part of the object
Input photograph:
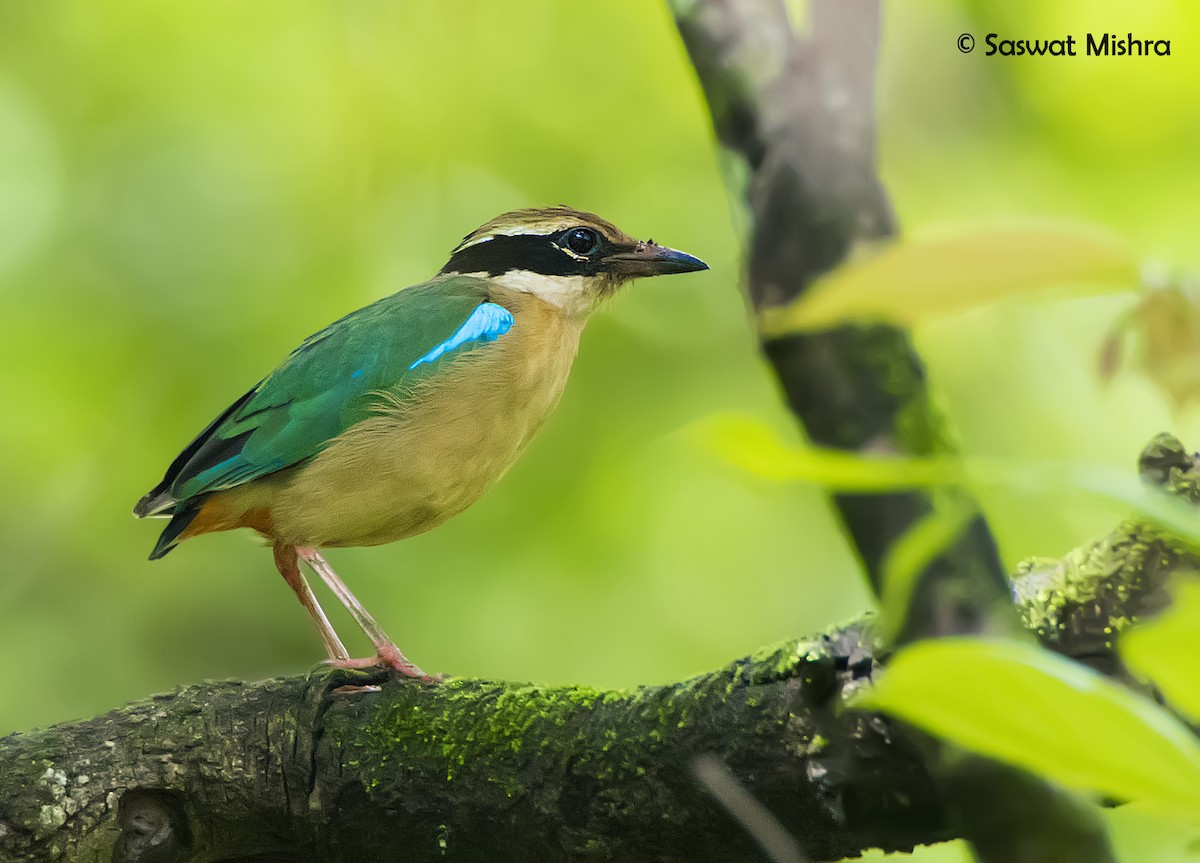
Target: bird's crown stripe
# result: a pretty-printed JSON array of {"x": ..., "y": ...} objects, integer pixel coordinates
[{"x": 535, "y": 229}]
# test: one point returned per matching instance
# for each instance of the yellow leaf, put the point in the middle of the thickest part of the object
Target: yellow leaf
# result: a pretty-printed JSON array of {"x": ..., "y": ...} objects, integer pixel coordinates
[{"x": 913, "y": 281}]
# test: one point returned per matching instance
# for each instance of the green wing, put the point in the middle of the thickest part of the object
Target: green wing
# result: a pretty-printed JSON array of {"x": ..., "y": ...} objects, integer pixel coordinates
[{"x": 328, "y": 384}]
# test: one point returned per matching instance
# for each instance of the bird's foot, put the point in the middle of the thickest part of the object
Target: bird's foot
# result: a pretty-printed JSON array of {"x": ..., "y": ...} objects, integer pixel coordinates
[{"x": 390, "y": 657}]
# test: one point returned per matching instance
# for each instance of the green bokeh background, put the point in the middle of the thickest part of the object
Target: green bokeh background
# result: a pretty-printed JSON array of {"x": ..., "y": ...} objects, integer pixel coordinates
[{"x": 187, "y": 190}]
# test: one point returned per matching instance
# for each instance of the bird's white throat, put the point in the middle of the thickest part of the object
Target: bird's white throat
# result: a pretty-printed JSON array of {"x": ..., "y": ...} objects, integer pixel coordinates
[{"x": 572, "y": 294}]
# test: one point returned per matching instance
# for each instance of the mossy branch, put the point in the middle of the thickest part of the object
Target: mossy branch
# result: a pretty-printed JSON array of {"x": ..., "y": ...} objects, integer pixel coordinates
[{"x": 314, "y": 769}]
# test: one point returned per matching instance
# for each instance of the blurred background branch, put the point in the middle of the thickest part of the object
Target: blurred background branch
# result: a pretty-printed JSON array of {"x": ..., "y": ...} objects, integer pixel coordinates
[{"x": 793, "y": 104}]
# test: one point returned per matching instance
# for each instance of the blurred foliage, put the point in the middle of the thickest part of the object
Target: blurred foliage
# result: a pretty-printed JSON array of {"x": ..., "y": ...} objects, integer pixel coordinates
[
  {"x": 1019, "y": 703},
  {"x": 1164, "y": 329},
  {"x": 1166, "y": 651},
  {"x": 912, "y": 282},
  {"x": 210, "y": 189},
  {"x": 752, "y": 445},
  {"x": 185, "y": 193}
]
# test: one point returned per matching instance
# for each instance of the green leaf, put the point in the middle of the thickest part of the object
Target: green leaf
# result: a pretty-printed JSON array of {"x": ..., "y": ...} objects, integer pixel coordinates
[
  {"x": 750, "y": 444},
  {"x": 1149, "y": 501},
  {"x": 913, "y": 281},
  {"x": 1018, "y": 703},
  {"x": 1119, "y": 489},
  {"x": 913, "y": 550},
  {"x": 1166, "y": 650}
]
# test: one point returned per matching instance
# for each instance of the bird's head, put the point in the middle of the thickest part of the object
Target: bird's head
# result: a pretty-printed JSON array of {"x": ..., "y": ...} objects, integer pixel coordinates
[{"x": 567, "y": 257}]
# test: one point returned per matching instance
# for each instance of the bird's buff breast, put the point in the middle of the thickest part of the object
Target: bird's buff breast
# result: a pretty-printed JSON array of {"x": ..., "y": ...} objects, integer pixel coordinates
[{"x": 421, "y": 460}]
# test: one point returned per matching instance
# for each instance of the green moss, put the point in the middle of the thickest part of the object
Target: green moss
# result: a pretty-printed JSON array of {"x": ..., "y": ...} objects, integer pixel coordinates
[
  {"x": 919, "y": 427},
  {"x": 1166, "y": 463},
  {"x": 469, "y": 724},
  {"x": 486, "y": 733},
  {"x": 777, "y": 660},
  {"x": 1103, "y": 574}
]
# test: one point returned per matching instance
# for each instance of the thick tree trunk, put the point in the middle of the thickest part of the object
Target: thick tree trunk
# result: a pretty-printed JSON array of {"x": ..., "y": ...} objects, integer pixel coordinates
[{"x": 299, "y": 769}]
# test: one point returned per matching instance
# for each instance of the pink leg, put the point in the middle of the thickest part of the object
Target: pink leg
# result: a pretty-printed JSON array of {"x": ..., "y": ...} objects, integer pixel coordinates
[
  {"x": 285, "y": 561},
  {"x": 386, "y": 653}
]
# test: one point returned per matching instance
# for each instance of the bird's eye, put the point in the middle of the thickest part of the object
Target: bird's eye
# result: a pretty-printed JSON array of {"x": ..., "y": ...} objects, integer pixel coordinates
[{"x": 582, "y": 241}]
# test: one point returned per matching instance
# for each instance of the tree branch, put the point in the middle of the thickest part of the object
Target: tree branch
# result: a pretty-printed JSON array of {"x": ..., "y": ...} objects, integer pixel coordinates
[{"x": 299, "y": 769}]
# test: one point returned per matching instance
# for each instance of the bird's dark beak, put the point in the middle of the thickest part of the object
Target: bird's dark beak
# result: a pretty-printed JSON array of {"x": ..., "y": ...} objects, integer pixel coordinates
[{"x": 651, "y": 259}]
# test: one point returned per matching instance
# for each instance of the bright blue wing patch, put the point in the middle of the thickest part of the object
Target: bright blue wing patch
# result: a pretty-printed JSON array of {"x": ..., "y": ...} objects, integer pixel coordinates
[{"x": 487, "y": 323}]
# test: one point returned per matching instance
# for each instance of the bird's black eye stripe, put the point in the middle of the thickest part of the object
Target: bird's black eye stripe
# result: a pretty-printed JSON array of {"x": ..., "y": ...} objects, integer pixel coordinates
[{"x": 547, "y": 254}]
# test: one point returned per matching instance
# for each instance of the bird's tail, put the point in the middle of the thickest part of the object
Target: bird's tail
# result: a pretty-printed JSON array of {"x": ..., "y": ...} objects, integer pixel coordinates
[
  {"x": 182, "y": 515},
  {"x": 157, "y": 501}
]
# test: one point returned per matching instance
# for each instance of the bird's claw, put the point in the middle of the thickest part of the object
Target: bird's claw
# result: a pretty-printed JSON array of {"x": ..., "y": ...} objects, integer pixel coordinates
[{"x": 389, "y": 657}]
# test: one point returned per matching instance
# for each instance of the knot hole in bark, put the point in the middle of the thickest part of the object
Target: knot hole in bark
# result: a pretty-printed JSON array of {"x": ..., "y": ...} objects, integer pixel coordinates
[{"x": 154, "y": 828}]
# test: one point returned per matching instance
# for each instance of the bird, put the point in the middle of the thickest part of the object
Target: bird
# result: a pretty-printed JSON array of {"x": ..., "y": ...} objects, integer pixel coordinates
[{"x": 402, "y": 414}]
